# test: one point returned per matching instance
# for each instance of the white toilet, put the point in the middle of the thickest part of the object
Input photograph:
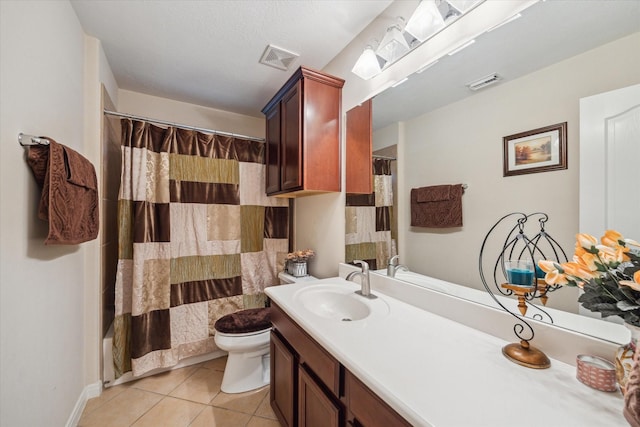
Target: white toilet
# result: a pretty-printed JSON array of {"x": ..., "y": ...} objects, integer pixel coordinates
[{"x": 245, "y": 336}]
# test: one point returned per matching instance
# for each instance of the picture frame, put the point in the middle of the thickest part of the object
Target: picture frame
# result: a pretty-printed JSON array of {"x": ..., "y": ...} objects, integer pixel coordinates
[{"x": 537, "y": 150}]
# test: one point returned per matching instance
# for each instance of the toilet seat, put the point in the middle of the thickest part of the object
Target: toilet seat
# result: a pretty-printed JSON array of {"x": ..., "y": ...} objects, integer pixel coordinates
[{"x": 245, "y": 321}]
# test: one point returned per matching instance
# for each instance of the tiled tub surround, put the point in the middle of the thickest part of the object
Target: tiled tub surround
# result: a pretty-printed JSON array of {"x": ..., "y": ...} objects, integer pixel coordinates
[{"x": 438, "y": 372}]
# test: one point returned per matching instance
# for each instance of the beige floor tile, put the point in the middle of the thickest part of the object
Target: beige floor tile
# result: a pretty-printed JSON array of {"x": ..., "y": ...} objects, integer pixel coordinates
[
  {"x": 218, "y": 417},
  {"x": 200, "y": 387},
  {"x": 123, "y": 410},
  {"x": 262, "y": 422},
  {"x": 244, "y": 402},
  {"x": 264, "y": 410},
  {"x": 106, "y": 395},
  {"x": 170, "y": 412},
  {"x": 217, "y": 364},
  {"x": 164, "y": 382}
]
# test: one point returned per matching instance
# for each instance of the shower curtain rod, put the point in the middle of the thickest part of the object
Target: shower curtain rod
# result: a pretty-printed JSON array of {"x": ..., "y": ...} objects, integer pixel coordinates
[
  {"x": 379, "y": 156},
  {"x": 162, "y": 122}
]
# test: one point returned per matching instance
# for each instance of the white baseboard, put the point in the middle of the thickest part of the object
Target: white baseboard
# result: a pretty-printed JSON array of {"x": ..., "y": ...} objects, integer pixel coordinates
[{"x": 89, "y": 392}]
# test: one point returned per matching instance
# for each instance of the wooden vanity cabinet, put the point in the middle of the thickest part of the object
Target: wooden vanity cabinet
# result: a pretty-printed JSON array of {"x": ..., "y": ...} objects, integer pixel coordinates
[
  {"x": 303, "y": 135},
  {"x": 310, "y": 388}
]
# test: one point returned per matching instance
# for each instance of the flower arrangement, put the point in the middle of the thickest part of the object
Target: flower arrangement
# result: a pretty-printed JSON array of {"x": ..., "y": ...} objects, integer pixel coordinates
[
  {"x": 300, "y": 256},
  {"x": 609, "y": 274}
]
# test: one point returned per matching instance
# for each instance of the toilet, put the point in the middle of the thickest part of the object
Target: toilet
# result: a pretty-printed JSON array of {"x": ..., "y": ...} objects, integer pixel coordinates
[{"x": 245, "y": 336}]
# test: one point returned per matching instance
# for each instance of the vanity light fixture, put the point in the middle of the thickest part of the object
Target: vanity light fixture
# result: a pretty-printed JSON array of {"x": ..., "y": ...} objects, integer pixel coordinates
[
  {"x": 425, "y": 21},
  {"x": 393, "y": 45},
  {"x": 429, "y": 18},
  {"x": 367, "y": 65},
  {"x": 463, "y": 5}
]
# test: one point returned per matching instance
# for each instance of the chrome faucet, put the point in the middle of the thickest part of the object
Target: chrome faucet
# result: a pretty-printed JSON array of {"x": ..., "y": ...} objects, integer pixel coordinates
[
  {"x": 365, "y": 289},
  {"x": 393, "y": 266}
]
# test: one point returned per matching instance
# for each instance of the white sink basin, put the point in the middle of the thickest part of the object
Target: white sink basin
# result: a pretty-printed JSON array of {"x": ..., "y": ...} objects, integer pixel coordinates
[{"x": 338, "y": 302}]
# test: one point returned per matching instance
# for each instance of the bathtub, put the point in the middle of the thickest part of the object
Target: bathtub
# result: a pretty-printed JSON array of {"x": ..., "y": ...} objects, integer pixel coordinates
[{"x": 109, "y": 374}]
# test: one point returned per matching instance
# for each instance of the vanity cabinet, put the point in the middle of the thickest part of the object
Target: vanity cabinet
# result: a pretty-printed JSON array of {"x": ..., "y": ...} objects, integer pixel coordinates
[
  {"x": 303, "y": 135},
  {"x": 310, "y": 388}
]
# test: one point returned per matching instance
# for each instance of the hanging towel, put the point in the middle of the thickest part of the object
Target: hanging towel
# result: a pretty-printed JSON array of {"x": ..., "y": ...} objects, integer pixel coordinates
[
  {"x": 69, "y": 199},
  {"x": 438, "y": 206},
  {"x": 631, "y": 408}
]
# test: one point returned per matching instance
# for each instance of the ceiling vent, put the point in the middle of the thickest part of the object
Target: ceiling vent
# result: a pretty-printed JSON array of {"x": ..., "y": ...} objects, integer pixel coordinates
[
  {"x": 484, "y": 82},
  {"x": 277, "y": 57}
]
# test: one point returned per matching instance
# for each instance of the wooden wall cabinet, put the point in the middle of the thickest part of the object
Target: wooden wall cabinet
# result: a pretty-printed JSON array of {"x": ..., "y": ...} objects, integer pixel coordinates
[
  {"x": 359, "y": 149},
  {"x": 310, "y": 388},
  {"x": 303, "y": 135}
]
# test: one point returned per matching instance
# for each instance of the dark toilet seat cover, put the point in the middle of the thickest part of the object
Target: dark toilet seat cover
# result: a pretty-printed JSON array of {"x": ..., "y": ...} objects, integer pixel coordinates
[{"x": 245, "y": 321}]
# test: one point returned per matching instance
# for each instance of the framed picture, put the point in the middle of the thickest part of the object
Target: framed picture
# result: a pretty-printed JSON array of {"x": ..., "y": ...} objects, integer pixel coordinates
[{"x": 538, "y": 150}]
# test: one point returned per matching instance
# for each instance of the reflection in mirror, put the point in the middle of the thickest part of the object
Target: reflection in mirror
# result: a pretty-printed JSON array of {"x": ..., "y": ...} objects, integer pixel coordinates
[
  {"x": 370, "y": 232},
  {"x": 446, "y": 134}
]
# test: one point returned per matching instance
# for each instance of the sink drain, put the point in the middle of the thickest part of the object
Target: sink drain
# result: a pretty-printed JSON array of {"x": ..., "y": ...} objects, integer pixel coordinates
[{"x": 346, "y": 319}]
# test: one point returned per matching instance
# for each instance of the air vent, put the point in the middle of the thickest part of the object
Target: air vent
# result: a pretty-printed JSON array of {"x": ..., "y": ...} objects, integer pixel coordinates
[
  {"x": 484, "y": 82},
  {"x": 277, "y": 57}
]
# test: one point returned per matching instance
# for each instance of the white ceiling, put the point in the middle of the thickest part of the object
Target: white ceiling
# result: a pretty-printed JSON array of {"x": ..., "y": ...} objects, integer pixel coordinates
[
  {"x": 207, "y": 52},
  {"x": 548, "y": 32}
]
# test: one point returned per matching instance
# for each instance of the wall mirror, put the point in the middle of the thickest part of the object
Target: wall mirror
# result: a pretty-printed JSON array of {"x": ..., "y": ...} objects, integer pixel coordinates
[{"x": 444, "y": 133}]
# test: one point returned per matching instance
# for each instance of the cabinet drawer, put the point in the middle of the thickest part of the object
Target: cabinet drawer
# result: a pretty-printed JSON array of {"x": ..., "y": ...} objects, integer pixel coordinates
[
  {"x": 323, "y": 365},
  {"x": 368, "y": 409}
]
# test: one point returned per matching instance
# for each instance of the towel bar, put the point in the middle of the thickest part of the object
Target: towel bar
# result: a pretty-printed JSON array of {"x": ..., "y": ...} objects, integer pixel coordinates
[{"x": 27, "y": 140}]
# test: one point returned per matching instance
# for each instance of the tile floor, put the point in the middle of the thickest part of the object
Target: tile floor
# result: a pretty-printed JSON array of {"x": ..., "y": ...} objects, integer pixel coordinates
[{"x": 183, "y": 397}]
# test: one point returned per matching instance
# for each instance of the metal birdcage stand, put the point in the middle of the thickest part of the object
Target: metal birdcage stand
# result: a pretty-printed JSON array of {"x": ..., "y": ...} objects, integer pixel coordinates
[{"x": 517, "y": 245}]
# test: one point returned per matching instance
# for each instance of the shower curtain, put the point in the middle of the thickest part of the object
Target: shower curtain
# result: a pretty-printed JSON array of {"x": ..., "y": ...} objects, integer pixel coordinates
[
  {"x": 198, "y": 239},
  {"x": 368, "y": 220}
]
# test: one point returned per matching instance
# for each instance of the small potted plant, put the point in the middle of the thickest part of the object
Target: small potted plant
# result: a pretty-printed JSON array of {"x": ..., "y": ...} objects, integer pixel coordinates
[{"x": 296, "y": 262}]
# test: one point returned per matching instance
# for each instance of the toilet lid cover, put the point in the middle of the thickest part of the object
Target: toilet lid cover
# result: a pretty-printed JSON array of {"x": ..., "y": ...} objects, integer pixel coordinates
[{"x": 244, "y": 321}]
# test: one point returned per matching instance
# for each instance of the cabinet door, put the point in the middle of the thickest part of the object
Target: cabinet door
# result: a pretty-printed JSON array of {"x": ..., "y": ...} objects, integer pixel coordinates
[
  {"x": 272, "y": 150},
  {"x": 291, "y": 134},
  {"x": 359, "y": 170},
  {"x": 283, "y": 381},
  {"x": 315, "y": 407},
  {"x": 366, "y": 409}
]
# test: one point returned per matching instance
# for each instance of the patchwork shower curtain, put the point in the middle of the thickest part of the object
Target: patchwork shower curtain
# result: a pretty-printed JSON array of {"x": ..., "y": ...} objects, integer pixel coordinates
[
  {"x": 368, "y": 220},
  {"x": 198, "y": 239}
]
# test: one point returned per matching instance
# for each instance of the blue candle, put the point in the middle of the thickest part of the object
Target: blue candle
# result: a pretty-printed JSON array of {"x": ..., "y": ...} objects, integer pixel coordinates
[
  {"x": 518, "y": 276},
  {"x": 539, "y": 272}
]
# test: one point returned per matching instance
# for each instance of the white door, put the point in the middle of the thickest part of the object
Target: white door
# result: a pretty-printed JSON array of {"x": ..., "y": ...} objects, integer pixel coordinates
[{"x": 610, "y": 162}]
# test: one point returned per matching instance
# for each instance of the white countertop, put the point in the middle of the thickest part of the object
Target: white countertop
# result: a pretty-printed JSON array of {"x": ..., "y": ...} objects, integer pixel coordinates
[{"x": 436, "y": 372}]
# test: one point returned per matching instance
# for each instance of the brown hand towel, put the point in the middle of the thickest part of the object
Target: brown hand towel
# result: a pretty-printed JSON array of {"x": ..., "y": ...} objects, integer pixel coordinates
[
  {"x": 631, "y": 409},
  {"x": 69, "y": 198},
  {"x": 438, "y": 206}
]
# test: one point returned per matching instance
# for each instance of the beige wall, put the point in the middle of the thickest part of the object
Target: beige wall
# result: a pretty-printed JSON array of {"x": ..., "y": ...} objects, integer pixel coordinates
[
  {"x": 98, "y": 77},
  {"x": 42, "y": 288},
  {"x": 462, "y": 143},
  {"x": 189, "y": 114}
]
